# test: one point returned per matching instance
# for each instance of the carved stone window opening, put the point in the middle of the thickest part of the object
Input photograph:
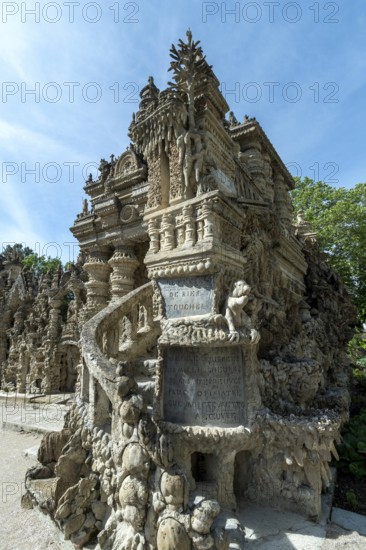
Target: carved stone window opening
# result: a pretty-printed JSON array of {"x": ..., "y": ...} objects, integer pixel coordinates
[{"x": 204, "y": 467}]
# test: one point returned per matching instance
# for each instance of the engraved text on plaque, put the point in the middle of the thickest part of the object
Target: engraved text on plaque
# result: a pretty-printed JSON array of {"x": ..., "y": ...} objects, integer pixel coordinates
[
  {"x": 204, "y": 386},
  {"x": 187, "y": 296}
]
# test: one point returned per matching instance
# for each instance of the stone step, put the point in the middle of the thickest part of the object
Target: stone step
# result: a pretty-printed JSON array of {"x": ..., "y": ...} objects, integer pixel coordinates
[{"x": 349, "y": 520}]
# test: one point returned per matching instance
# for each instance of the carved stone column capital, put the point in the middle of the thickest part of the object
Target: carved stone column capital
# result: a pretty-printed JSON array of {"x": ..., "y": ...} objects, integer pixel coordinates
[
  {"x": 97, "y": 285},
  {"x": 123, "y": 264}
]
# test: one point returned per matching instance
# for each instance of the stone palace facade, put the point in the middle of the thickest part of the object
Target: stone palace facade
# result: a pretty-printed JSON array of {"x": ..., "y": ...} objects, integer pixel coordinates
[{"x": 211, "y": 365}]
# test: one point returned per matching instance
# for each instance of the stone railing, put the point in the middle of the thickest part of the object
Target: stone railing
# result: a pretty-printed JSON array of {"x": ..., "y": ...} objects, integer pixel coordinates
[{"x": 122, "y": 332}]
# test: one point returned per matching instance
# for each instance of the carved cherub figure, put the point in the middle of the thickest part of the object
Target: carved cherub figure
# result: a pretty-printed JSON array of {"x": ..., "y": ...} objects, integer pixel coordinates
[{"x": 235, "y": 314}]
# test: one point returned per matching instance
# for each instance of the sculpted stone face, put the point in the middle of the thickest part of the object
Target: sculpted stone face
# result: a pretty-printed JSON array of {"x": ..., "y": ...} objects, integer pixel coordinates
[{"x": 241, "y": 288}]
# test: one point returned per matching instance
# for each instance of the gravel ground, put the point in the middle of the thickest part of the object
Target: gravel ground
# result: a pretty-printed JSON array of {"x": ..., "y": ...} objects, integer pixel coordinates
[
  {"x": 29, "y": 530},
  {"x": 338, "y": 539},
  {"x": 21, "y": 529}
]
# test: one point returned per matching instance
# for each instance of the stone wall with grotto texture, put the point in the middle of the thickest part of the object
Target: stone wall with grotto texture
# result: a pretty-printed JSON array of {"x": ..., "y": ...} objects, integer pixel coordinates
[
  {"x": 40, "y": 321},
  {"x": 212, "y": 365}
]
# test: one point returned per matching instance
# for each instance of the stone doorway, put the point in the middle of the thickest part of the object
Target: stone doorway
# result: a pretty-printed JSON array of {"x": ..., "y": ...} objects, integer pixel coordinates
[
  {"x": 204, "y": 468},
  {"x": 241, "y": 474},
  {"x": 69, "y": 360}
]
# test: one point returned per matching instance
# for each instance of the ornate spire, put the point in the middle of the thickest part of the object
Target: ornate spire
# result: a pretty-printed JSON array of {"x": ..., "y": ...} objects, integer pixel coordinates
[{"x": 190, "y": 69}]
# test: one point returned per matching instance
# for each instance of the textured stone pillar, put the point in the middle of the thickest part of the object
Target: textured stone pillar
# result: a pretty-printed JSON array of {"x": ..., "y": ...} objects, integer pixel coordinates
[
  {"x": 97, "y": 285},
  {"x": 190, "y": 237},
  {"x": 154, "y": 193},
  {"x": 167, "y": 233},
  {"x": 54, "y": 326},
  {"x": 123, "y": 264},
  {"x": 18, "y": 322},
  {"x": 256, "y": 166},
  {"x": 282, "y": 200},
  {"x": 176, "y": 175},
  {"x": 22, "y": 368},
  {"x": 153, "y": 230}
]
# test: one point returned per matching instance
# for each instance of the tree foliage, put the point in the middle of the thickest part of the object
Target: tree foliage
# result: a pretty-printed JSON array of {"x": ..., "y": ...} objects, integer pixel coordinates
[
  {"x": 30, "y": 260},
  {"x": 40, "y": 264},
  {"x": 15, "y": 253},
  {"x": 338, "y": 216}
]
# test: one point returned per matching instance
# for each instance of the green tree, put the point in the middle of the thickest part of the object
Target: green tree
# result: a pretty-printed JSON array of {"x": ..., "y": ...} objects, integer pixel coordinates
[
  {"x": 15, "y": 253},
  {"x": 41, "y": 264},
  {"x": 30, "y": 260},
  {"x": 338, "y": 216}
]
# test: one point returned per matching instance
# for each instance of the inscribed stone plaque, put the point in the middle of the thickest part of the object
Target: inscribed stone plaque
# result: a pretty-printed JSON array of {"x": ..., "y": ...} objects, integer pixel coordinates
[
  {"x": 225, "y": 184},
  {"x": 204, "y": 386},
  {"x": 187, "y": 296}
]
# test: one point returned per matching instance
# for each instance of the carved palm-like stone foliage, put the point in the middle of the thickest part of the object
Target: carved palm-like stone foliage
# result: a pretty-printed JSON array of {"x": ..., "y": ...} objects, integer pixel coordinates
[{"x": 190, "y": 70}]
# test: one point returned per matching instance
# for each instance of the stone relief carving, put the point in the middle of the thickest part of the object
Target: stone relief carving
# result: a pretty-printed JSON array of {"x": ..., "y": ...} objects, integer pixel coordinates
[{"x": 235, "y": 315}]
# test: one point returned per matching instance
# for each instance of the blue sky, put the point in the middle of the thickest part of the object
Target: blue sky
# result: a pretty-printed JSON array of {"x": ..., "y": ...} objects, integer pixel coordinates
[{"x": 298, "y": 67}]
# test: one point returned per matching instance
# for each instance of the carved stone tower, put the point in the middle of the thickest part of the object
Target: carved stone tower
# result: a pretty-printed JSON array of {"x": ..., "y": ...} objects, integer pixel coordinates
[{"x": 212, "y": 369}]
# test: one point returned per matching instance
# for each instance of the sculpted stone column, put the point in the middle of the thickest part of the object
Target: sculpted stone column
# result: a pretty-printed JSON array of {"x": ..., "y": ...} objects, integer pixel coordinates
[
  {"x": 54, "y": 322},
  {"x": 256, "y": 166},
  {"x": 189, "y": 226},
  {"x": 208, "y": 221},
  {"x": 167, "y": 232},
  {"x": 97, "y": 285},
  {"x": 282, "y": 200},
  {"x": 153, "y": 230},
  {"x": 123, "y": 264}
]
